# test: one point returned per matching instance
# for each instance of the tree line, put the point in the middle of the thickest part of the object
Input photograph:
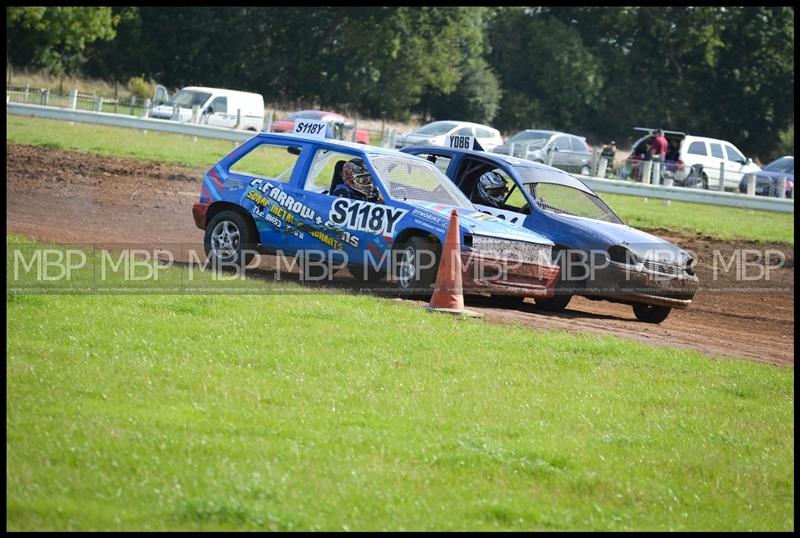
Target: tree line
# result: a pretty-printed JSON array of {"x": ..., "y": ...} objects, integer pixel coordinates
[{"x": 725, "y": 72}]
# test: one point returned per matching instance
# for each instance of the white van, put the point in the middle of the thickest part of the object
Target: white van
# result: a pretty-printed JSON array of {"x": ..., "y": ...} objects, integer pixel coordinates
[
  {"x": 715, "y": 156},
  {"x": 216, "y": 107}
]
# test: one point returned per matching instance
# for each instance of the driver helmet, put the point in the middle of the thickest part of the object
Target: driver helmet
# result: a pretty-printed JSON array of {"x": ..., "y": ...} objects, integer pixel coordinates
[
  {"x": 492, "y": 189},
  {"x": 356, "y": 176}
]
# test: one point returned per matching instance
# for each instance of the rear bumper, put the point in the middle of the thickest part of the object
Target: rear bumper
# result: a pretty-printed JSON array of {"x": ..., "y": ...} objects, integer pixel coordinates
[
  {"x": 490, "y": 274},
  {"x": 200, "y": 214}
]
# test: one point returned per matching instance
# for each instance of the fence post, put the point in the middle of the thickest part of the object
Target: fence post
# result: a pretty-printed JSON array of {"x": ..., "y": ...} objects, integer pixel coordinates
[
  {"x": 513, "y": 149},
  {"x": 722, "y": 177},
  {"x": 146, "y": 111},
  {"x": 238, "y": 118},
  {"x": 268, "y": 123},
  {"x": 27, "y": 90},
  {"x": 175, "y": 113},
  {"x": 751, "y": 184},
  {"x": 98, "y": 104},
  {"x": 73, "y": 99},
  {"x": 601, "y": 167},
  {"x": 355, "y": 129},
  {"x": 195, "y": 113},
  {"x": 133, "y": 103},
  {"x": 782, "y": 187},
  {"x": 647, "y": 168},
  {"x": 550, "y": 155},
  {"x": 657, "y": 172}
]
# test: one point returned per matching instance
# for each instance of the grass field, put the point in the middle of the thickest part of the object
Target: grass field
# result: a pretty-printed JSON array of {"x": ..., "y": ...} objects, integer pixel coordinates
[
  {"x": 304, "y": 412},
  {"x": 719, "y": 222}
]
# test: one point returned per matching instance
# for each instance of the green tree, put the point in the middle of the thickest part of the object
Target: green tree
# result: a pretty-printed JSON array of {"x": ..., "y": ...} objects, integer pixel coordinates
[{"x": 56, "y": 37}]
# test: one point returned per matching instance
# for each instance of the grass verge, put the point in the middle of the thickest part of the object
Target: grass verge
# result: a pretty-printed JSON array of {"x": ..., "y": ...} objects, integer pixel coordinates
[{"x": 334, "y": 412}]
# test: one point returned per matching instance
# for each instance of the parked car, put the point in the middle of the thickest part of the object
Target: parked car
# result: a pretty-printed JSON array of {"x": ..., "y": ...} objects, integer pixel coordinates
[
  {"x": 273, "y": 193},
  {"x": 562, "y": 150},
  {"x": 767, "y": 178},
  {"x": 216, "y": 106},
  {"x": 685, "y": 151},
  {"x": 600, "y": 257},
  {"x": 342, "y": 125},
  {"x": 437, "y": 133}
]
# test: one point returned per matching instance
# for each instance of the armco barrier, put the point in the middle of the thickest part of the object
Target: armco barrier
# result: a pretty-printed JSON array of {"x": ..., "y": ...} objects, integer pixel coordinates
[
  {"x": 683, "y": 194},
  {"x": 234, "y": 135}
]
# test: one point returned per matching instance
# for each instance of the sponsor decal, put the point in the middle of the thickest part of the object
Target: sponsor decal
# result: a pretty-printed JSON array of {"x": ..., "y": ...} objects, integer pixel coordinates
[
  {"x": 429, "y": 217},
  {"x": 365, "y": 216},
  {"x": 233, "y": 184}
]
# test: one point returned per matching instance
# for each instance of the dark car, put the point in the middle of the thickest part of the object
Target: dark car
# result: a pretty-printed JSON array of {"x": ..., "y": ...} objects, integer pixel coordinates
[
  {"x": 767, "y": 178},
  {"x": 600, "y": 257},
  {"x": 342, "y": 125},
  {"x": 562, "y": 150}
]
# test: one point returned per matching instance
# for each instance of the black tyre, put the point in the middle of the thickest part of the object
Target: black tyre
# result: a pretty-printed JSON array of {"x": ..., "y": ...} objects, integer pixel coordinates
[
  {"x": 555, "y": 304},
  {"x": 508, "y": 301},
  {"x": 411, "y": 268},
  {"x": 649, "y": 313},
  {"x": 704, "y": 181},
  {"x": 230, "y": 240}
]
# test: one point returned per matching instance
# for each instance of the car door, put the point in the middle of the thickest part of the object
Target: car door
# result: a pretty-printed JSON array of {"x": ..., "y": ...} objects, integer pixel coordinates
[
  {"x": 562, "y": 152},
  {"x": 217, "y": 113},
  {"x": 736, "y": 166},
  {"x": 580, "y": 154},
  {"x": 467, "y": 174},
  {"x": 715, "y": 159}
]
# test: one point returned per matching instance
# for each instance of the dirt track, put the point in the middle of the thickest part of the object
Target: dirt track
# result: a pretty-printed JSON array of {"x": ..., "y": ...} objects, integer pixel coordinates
[{"x": 78, "y": 198}]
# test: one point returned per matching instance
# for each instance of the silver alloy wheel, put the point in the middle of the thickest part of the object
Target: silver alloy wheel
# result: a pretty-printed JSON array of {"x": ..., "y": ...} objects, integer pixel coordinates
[
  {"x": 225, "y": 240},
  {"x": 407, "y": 269}
]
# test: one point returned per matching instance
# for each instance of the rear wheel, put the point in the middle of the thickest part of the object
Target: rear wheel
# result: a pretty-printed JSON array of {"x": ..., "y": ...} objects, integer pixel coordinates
[
  {"x": 416, "y": 262},
  {"x": 229, "y": 240},
  {"x": 649, "y": 313}
]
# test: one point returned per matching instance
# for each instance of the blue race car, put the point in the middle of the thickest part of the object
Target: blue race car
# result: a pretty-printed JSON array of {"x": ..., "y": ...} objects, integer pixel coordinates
[
  {"x": 600, "y": 257},
  {"x": 376, "y": 211}
]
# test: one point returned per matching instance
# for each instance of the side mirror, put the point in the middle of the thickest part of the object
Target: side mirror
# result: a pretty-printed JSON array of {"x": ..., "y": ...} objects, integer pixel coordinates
[
  {"x": 748, "y": 161},
  {"x": 294, "y": 150},
  {"x": 209, "y": 110}
]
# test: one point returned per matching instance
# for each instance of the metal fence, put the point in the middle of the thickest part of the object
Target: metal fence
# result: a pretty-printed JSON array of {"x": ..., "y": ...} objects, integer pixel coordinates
[
  {"x": 143, "y": 108},
  {"x": 641, "y": 189}
]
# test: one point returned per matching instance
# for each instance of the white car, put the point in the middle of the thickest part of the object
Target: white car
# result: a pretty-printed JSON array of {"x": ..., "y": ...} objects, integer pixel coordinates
[
  {"x": 716, "y": 157},
  {"x": 216, "y": 106},
  {"x": 436, "y": 133}
]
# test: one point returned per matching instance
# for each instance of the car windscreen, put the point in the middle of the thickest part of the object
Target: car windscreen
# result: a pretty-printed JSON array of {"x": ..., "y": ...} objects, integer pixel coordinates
[
  {"x": 783, "y": 165},
  {"x": 188, "y": 98},
  {"x": 566, "y": 200},
  {"x": 408, "y": 178},
  {"x": 436, "y": 128},
  {"x": 532, "y": 139}
]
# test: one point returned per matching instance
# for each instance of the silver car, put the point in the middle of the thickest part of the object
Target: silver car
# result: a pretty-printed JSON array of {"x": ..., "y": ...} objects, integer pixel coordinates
[{"x": 562, "y": 150}]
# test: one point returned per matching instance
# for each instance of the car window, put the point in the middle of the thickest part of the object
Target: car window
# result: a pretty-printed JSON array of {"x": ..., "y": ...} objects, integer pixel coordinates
[
  {"x": 578, "y": 144},
  {"x": 483, "y": 133},
  {"x": 716, "y": 150},
  {"x": 784, "y": 165},
  {"x": 436, "y": 128},
  {"x": 533, "y": 138},
  {"x": 733, "y": 154},
  {"x": 697, "y": 148},
  {"x": 268, "y": 161},
  {"x": 219, "y": 105},
  {"x": 570, "y": 201},
  {"x": 325, "y": 171},
  {"x": 442, "y": 162},
  {"x": 409, "y": 178},
  {"x": 464, "y": 131},
  {"x": 562, "y": 143},
  {"x": 188, "y": 98}
]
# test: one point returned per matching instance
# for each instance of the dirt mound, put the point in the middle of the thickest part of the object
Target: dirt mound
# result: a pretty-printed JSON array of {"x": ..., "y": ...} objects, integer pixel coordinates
[{"x": 80, "y": 198}]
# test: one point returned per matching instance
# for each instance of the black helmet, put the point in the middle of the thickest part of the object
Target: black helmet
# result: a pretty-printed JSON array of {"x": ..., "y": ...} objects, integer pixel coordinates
[
  {"x": 356, "y": 176},
  {"x": 492, "y": 189}
]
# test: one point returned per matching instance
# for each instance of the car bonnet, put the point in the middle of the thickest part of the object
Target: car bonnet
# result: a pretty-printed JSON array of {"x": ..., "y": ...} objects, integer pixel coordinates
[{"x": 479, "y": 223}]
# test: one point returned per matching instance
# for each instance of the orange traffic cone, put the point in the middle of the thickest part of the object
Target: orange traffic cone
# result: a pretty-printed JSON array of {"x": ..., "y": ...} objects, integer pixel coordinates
[{"x": 448, "y": 294}]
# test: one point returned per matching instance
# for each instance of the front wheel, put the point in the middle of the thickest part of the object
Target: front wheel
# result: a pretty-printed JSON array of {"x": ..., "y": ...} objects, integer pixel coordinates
[
  {"x": 417, "y": 260},
  {"x": 229, "y": 240},
  {"x": 649, "y": 313},
  {"x": 555, "y": 304}
]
